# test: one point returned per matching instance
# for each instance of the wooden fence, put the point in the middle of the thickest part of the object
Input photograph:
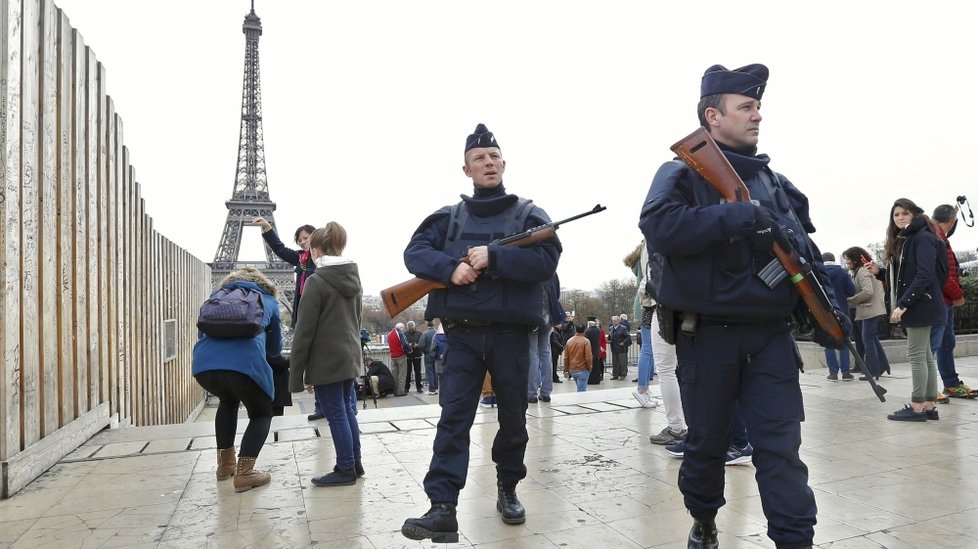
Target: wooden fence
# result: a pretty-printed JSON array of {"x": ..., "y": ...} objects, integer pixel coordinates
[{"x": 87, "y": 285}]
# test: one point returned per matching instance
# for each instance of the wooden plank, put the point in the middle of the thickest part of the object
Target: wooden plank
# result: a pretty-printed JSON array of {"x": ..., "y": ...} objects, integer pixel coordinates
[
  {"x": 91, "y": 181},
  {"x": 80, "y": 229},
  {"x": 48, "y": 229},
  {"x": 166, "y": 379},
  {"x": 155, "y": 364},
  {"x": 23, "y": 467},
  {"x": 10, "y": 429},
  {"x": 126, "y": 314},
  {"x": 142, "y": 299},
  {"x": 30, "y": 324},
  {"x": 102, "y": 180},
  {"x": 112, "y": 237},
  {"x": 66, "y": 221}
]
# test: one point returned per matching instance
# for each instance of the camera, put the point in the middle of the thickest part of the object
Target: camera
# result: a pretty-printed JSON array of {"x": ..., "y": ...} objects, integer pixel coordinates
[{"x": 962, "y": 199}]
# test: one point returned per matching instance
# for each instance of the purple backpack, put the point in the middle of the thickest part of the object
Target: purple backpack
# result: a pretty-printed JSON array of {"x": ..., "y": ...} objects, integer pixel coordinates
[{"x": 232, "y": 313}]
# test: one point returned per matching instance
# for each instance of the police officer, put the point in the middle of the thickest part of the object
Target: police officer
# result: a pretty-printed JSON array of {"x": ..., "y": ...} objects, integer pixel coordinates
[
  {"x": 494, "y": 295},
  {"x": 733, "y": 341}
]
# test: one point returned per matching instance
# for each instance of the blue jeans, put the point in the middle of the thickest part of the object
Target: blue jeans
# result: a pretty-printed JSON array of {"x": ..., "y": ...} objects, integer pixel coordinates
[
  {"x": 540, "y": 378},
  {"x": 875, "y": 357},
  {"x": 340, "y": 404},
  {"x": 429, "y": 372},
  {"x": 942, "y": 343},
  {"x": 646, "y": 363},
  {"x": 581, "y": 378},
  {"x": 835, "y": 361}
]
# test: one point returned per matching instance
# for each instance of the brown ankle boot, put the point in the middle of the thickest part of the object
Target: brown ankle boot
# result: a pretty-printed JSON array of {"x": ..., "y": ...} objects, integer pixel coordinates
[
  {"x": 246, "y": 477},
  {"x": 226, "y": 463}
]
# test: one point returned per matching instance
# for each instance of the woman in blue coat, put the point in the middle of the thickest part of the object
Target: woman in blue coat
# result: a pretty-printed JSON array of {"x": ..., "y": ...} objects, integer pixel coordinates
[
  {"x": 913, "y": 251},
  {"x": 237, "y": 372}
]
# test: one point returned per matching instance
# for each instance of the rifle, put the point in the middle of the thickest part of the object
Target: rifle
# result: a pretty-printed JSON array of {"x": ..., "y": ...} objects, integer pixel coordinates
[
  {"x": 701, "y": 153},
  {"x": 400, "y": 297}
]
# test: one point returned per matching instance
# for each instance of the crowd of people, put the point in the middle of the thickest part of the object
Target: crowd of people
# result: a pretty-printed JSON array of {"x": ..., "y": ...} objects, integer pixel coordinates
[{"x": 715, "y": 331}]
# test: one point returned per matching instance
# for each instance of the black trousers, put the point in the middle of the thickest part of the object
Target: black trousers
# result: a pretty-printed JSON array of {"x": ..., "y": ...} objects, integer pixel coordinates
[
  {"x": 413, "y": 363},
  {"x": 234, "y": 389},
  {"x": 505, "y": 354},
  {"x": 755, "y": 365}
]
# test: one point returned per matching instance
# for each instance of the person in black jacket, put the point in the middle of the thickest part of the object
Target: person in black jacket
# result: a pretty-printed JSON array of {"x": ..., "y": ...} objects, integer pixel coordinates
[
  {"x": 304, "y": 267},
  {"x": 385, "y": 379},
  {"x": 300, "y": 259},
  {"x": 914, "y": 252},
  {"x": 556, "y": 348}
]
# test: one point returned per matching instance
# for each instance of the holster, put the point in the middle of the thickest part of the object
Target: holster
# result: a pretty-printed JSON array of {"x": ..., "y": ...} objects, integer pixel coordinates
[{"x": 669, "y": 323}]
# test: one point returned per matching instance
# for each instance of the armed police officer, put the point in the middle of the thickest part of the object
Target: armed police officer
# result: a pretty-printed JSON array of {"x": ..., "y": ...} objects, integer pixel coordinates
[
  {"x": 731, "y": 328},
  {"x": 495, "y": 295}
]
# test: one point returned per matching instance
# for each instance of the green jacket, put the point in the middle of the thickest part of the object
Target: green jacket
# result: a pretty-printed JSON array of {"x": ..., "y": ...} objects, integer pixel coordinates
[{"x": 326, "y": 343}]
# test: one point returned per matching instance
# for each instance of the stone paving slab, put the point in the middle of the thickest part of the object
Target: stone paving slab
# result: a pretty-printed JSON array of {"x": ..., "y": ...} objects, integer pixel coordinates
[{"x": 593, "y": 480}]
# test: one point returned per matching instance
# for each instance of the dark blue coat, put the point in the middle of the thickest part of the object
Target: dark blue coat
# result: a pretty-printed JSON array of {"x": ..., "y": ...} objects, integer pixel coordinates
[
  {"x": 917, "y": 288},
  {"x": 510, "y": 290},
  {"x": 841, "y": 285},
  {"x": 709, "y": 265},
  {"x": 557, "y": 313}
]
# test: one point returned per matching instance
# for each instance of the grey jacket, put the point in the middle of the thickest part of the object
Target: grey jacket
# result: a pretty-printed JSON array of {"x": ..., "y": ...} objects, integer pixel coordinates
[
  {"x": 868, "y": 299},
  {"x": 326, "y": 343}
]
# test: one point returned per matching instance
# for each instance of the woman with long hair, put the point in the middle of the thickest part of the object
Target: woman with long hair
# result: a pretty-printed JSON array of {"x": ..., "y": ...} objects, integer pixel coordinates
[
  {"x": 912, "y": 251},
  {"x": 870, "y": 309}
]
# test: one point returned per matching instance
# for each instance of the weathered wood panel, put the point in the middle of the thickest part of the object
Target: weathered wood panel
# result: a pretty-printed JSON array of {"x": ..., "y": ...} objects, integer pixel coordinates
[
  {"x": 91, "y": 228},
  {"x": 86, "y": 280},
  {"x": 102, "y": 232},
  {"x": 10, "y": 307},
  {"x": 112, "y": 259},
  {"x": 66, "y": 221},
  {"x": 30, "y": 325},
  {"x": 79, "y": 247},
  {"x": 48, "y": 227}
]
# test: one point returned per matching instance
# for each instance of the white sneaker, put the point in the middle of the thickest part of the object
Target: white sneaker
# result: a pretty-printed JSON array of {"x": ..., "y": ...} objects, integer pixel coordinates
[
  {"x": 430, "y": 392},
  {"x": 644, "y": 399}
]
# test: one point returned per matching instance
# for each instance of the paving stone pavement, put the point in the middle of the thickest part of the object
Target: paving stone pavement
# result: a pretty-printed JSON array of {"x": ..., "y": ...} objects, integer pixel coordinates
[{"x": 594, "y": 480}]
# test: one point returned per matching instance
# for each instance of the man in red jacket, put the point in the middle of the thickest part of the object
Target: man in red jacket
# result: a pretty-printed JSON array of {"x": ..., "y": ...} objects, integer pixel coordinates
[
  {"x": 398, "y": 344},
  {"x": 942, "y": 341}
]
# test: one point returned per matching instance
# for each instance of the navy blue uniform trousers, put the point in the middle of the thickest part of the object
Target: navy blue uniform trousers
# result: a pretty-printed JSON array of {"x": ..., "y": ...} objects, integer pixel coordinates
[
  {"x": 755, "y": 365},
  {"x": 503, "y": 351}
]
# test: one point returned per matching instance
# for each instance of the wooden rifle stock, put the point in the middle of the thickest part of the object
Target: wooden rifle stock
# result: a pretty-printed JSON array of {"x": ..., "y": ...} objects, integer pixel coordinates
[
  {"x": 702, "y": 154},
  {"x": 400, "y": 297},
  {"x": 403, "y": 295}
]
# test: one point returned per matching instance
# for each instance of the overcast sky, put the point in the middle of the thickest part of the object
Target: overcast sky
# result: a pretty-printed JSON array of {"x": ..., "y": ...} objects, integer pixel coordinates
[{"x": 367, "y": 105}]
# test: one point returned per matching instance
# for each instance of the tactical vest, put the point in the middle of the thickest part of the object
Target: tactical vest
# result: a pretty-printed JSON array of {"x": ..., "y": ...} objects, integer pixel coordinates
[{"x": 488, "y": 298}]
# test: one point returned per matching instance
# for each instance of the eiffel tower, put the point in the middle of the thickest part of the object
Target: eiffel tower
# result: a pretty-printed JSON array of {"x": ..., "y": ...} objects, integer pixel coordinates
[{"x": 250, "y": 198}]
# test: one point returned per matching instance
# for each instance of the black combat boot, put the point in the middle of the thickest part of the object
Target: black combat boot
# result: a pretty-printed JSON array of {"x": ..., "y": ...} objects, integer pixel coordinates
[
  {"x": 703, "y": 535},
  {"x": 509, "y": 505},
  {"x": 438, "y": 524}
]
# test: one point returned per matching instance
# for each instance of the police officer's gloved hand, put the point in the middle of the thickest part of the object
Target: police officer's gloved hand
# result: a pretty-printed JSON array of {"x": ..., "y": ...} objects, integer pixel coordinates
[
  {"x": 822, "y": 337},
  {"x": 765, "y": 228}
]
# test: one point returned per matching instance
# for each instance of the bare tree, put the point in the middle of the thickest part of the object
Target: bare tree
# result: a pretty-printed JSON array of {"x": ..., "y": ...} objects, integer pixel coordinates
[
  {"x": 618, "y": 296},
  {"x": 571, "y": 301}
]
